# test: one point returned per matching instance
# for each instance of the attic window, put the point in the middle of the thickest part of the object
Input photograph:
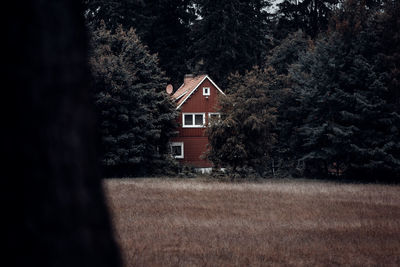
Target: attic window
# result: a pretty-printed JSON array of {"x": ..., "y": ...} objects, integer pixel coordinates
[
  {"x": 206, "y": 90},
  {"x": 193, "y": 120}
]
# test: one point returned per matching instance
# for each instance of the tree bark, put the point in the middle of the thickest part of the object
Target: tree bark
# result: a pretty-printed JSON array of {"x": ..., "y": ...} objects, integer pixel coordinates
[{"x": 54, "y": 207}]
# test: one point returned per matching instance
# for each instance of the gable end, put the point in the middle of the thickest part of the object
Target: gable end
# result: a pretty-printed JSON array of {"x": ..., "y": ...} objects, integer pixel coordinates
[{"x": 206, "y": 77}]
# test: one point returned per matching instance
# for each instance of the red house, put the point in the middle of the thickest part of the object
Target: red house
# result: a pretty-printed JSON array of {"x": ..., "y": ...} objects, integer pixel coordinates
[{"x": 197, "y": 102}]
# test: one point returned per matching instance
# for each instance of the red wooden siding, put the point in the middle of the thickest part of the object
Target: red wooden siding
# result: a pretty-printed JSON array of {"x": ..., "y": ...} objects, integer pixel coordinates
[
  {"x": 198, "y": 103},
  {"x": 195, "y": 139},
  {"x": 193, "y": 150}
]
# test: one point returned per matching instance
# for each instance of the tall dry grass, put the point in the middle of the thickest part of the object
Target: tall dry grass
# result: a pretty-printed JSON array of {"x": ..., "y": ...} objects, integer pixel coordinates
[{"x": 291, "y": 223}]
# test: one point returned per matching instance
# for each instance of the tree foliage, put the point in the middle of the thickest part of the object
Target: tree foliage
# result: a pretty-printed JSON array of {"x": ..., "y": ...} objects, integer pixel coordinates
[
  {"x": 244, "y": 136},
  {"x": 310, "y": 16},
  {"x": 162, "y": 25},
  {"x": 229, "y": 36},
  {"x": 351, "y": 125},
  {"x": 113, "y": 13},
  {"x": 137, "y": 117},
  {"x": 284, "y": 153},
  {"x": 287, "y": 52},
  {"x": 328, "y": 92}
]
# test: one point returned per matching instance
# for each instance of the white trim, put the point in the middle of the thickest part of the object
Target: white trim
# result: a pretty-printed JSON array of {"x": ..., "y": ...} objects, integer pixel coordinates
[
  {"x": 216, "y": 86},
  {"x": 181, "y": 95},
  {"x": 213, "y": 113},
  {"x": 193, "y": 119},
  {"x": 208, "y": 91},
  {"x": 182, "y": 149},
  {"x": 184, "y": 100},
  {"x": 178, "y": 90},
  {"x": 202, "y": 80},
  {"x": 180, "y": 87},
  {"x": 204, "y": 170}
]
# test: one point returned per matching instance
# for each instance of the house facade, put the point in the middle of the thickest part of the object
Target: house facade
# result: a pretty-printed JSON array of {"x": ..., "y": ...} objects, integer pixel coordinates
[{"x": 197, "y": 102}]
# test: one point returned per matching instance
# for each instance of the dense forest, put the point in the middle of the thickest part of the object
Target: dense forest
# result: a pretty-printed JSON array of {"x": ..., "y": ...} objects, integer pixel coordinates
[{"x": 312, "y": 86}]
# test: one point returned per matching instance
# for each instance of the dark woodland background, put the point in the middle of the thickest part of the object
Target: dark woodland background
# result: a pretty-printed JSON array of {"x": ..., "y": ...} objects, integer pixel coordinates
[{"x": 313, "y": 85}]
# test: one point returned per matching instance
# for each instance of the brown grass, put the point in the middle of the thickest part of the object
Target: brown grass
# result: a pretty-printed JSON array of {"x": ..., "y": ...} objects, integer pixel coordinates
[{"x": 292, "y": 223}]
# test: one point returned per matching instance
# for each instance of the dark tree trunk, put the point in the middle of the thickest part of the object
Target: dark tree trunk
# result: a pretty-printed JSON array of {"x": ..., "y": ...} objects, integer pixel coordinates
[{"x": 54, "y": 207}]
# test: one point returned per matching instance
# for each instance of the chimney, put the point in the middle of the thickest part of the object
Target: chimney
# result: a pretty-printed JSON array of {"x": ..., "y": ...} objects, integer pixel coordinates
[{"x": 188, "y": 78}]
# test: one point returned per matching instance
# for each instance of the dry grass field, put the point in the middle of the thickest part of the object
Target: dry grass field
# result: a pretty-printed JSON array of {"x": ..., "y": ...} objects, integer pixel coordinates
[{"x": 167, "y": 222}]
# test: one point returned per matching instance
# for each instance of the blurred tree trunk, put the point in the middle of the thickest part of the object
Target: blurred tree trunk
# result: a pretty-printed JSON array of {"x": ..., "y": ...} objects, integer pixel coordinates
[{"x": 54, "y": 206}]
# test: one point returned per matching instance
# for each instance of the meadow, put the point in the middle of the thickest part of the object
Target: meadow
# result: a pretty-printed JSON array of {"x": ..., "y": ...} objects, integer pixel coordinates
[{"x": 194, "y": 222}]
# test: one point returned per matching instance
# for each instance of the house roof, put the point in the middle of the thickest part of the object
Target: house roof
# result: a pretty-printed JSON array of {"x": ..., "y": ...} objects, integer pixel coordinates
[{"x": 189, "y": 87}]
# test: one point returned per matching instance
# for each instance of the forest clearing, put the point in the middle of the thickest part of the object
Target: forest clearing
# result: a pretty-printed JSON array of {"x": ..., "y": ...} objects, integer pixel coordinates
[{"x": 192, "y": 222}]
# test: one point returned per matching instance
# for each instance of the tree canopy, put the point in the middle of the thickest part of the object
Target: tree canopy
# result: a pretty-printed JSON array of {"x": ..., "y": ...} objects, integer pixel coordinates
[
  {"x": 229, "y": 36},
  {"x": 311, "y": 16},
  {"x": 162, "y": 25},
  {"x": 351, "y": 125},
  {"x": 327, "y": 89},
  {"x": 244, "y": 136},
  {"x": 136, "y": 115}
]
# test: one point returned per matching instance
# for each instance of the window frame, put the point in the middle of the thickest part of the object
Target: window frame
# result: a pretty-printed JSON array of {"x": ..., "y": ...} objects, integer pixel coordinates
[
  {"x": 213, "y": 113},
  {"x": 204, "y": 91},
  {"x": 193, "y": 119},
  {"x": 182, "y": 156}
]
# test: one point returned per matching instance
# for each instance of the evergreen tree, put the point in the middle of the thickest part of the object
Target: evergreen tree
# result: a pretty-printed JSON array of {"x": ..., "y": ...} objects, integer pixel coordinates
[
  {"x": 168, "y": 35},
  {"x": 311, "y": 16},
  {"x": 137, "y": 117},
  {"x": 284, "y": 155},
  {"x": 287, "y": 52},
  {"x": 244, "y": 136},
  {"x": 163, "y": 25},
  {"x": 385, "y": 35},
  {"x": 229, "y": 36},
  {"x": 113, "y": 13},
  {"x": 351, "y": 125}
]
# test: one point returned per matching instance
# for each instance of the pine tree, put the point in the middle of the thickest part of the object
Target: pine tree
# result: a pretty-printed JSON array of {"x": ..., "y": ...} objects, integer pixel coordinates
[
  {"x": 351, "y": 126},
  {"x": 136, "y": 116},
  {"x": 289, "y": 114},
  {"x": 162, "y": 25},
  {"x": 167, "y": 34},
  {"x": 244, "y": 137},
  {"x": 230, "y": 36},
  {"x": 287, "y": 52},
  {"x": 113, "y": 13},
  {"x": 383, "y": 29},
  {"x": 311, "y": 16}
]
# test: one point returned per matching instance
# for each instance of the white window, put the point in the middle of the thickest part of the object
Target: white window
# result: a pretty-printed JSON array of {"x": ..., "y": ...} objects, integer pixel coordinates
[
  {"x": 206, "y": 90},
  {"x": 193, "y": 120},
  {"x": 213, "y": 117},
  {"x": 177, "y": 150}
]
